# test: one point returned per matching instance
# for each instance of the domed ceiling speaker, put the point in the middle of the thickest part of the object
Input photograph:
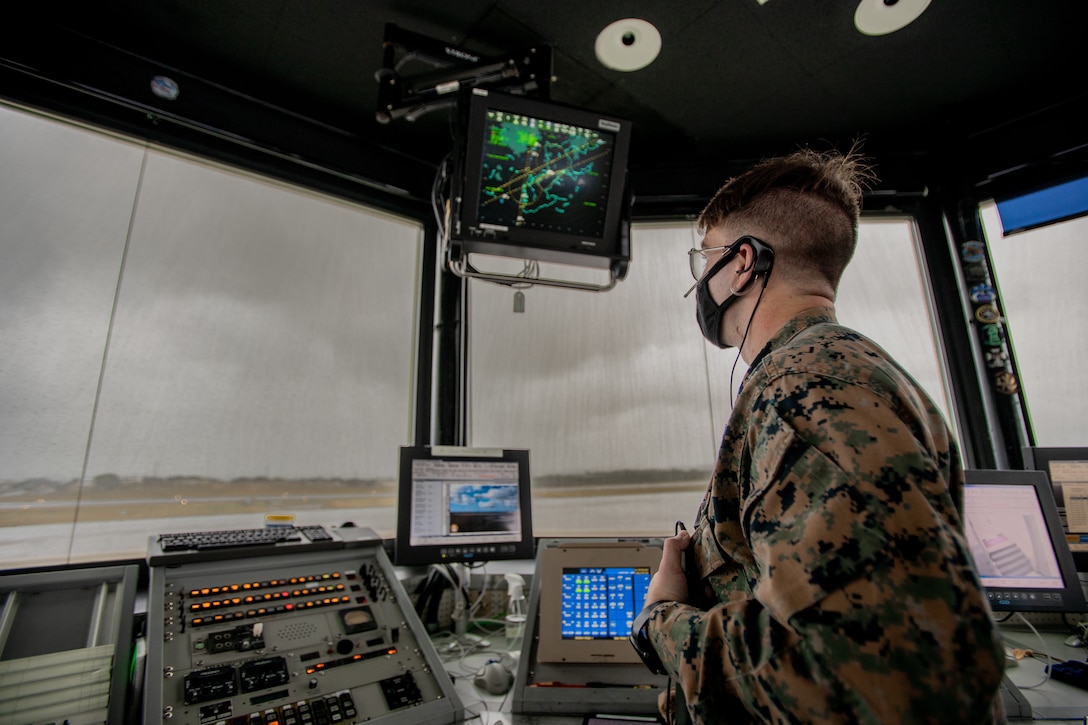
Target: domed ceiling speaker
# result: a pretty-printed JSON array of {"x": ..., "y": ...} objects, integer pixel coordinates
[
  {"x": 880, "y": 17},
  {"x": 628, "y": 45}
]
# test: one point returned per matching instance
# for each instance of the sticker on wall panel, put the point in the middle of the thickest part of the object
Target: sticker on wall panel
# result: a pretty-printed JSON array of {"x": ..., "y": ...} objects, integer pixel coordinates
[
  {"x": 1006, "y": 383},
  {"x": 997, "y": 359},
  {"x": 972, "y": 252},
  {"x": 165, "y": 87},
  {"x": 983, "y": 293},
  {"x": 992, "y": 335},
  {"x": 987, "y": 314},
  {"x": 975, "y": 272}
]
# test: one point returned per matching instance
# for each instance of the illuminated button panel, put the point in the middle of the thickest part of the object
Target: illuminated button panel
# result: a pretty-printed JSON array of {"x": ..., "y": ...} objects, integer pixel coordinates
[
  {"x": 298, "y": 638},
  {"x": 265, "y": 598}
]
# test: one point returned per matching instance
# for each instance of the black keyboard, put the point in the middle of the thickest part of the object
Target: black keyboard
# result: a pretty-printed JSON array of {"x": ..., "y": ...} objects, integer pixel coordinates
[
  {"x": 205, "y": 540},
  {"x": 315, "y": 533}
]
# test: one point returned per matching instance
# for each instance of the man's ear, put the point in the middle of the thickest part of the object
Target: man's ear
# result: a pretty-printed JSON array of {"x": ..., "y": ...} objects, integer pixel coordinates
[{"x": 747, "y": 256}]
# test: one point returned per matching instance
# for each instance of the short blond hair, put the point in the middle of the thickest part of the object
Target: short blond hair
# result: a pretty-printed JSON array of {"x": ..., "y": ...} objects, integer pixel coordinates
[{"x": 808, "y": 202}]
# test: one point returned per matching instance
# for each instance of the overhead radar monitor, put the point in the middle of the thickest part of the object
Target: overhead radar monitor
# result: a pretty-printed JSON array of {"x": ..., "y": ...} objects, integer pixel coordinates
[
  {"x": 542, "y": 181},
  {"x": 544, "y": 175}
]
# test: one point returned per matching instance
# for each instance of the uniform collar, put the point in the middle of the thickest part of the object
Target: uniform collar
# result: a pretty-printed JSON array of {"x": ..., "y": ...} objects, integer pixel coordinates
[{"x": 799, "y": 322}]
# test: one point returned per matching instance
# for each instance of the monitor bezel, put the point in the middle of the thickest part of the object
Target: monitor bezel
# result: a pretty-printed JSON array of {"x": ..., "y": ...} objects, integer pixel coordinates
[
  {"x": 1071, "y": 595},
  {"x": 407, "y": 554},
  {"x": 606, "y": 251},
  {"x": 1039, "y": 458},
  {"x": 551, "y": 646}
]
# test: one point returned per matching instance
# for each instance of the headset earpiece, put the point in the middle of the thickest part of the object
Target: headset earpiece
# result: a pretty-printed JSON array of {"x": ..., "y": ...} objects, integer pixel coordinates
[
  {"x": 760, "y": 265},
  {"x": 764, "y": 257}
]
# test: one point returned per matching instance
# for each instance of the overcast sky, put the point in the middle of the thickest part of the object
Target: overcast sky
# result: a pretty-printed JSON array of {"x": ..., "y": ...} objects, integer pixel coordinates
[
  {"x": 624, "y": 379},
  {"x": 258, "y": 332},
  {"x": 261, "y": 331}
]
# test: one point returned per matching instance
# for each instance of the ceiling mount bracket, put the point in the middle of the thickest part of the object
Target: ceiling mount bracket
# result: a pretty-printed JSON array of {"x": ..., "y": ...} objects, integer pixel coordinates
[{"x": 449, "y": 69}]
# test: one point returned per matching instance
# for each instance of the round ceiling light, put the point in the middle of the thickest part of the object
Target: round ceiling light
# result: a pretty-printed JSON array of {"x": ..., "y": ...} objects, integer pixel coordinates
[
  {"x": 880, "y": 17},
  {"x": 628, "y": 45}
]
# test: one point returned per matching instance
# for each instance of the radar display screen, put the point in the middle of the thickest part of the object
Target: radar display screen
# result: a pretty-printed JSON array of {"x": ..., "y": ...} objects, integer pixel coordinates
[{"x": 544, "y": 175}]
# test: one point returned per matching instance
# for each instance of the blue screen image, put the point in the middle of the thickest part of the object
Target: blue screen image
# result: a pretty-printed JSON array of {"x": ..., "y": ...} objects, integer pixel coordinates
[{"x": 602, "y": 602}]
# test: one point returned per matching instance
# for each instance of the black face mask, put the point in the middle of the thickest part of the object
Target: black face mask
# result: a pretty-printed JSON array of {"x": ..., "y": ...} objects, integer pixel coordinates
[{"x": 707, "y": 311}]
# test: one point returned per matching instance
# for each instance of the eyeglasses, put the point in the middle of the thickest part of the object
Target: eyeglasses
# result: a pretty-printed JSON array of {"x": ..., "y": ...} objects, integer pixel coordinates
[{"x": 699, "y": 259}]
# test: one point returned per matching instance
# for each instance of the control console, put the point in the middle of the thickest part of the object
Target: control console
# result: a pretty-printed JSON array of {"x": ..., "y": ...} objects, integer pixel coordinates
[{"x": 301, "y": 636}]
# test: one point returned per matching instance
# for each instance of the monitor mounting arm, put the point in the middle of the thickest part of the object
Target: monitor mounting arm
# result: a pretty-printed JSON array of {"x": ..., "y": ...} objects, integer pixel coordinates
[
  {"x": 461, "y": 268},
  {"x": 454, "y": 69},
  {"x": 457, "y": 262}
]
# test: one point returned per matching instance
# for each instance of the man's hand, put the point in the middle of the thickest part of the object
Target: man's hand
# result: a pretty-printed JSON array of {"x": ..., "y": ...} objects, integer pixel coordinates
[{"x": 670, "y": 584}]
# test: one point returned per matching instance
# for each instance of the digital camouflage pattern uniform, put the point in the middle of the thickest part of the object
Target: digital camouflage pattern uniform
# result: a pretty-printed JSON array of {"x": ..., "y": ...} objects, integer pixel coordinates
[{"x": 829, "y": 579}]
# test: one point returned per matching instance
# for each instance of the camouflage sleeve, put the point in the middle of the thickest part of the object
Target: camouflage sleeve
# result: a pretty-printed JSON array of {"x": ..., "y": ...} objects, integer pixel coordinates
[{"x": 865, "y": 607}]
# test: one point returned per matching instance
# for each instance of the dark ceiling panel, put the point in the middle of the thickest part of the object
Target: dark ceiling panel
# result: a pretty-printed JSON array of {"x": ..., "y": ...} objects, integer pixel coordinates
[{"x": 734, "y": 79}]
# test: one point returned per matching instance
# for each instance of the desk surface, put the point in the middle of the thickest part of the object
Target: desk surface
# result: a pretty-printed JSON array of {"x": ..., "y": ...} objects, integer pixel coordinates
[
  {"x": 1051, "y": 701},
  {"x": 482, "y": 708}
]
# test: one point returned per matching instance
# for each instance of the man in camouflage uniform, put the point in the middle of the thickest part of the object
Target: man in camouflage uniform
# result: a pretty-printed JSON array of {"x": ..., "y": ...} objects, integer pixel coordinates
[{"x": 828, "y": 579}]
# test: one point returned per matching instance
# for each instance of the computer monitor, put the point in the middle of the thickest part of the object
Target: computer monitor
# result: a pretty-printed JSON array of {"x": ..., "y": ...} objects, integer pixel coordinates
[
  {"x": 541, "y": 180},
  {"x": 1016, "y": 539},
  {"x": 1067, "y": 469},
  {"x": 457, "y": 505},
  {"x": 590, "y": 593}
]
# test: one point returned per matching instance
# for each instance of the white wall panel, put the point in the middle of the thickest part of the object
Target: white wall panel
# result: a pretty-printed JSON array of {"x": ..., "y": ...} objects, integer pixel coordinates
[{"x": 1040, "y": 274}]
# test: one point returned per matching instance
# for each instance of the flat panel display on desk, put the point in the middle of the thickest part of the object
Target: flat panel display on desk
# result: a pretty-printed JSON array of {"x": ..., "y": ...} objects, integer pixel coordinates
[
  {"x": 1017, "y": 542},
  {"x": 590, "y": 593},
  {"x": 459, "y": 504},
  {"x": 543, "y": 181},
  {"x": 1067, "y": 469}
]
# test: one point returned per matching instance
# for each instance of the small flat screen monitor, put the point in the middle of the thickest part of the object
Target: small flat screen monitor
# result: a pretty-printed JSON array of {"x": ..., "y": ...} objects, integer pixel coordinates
[
  {"x": 1016, "y": 539},
  {"x": 1067, "y": 469},
  {"x": 590, "y": 594},
  {"x": 543, "y": 181},
  {"x": 463, "y": 505}
]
